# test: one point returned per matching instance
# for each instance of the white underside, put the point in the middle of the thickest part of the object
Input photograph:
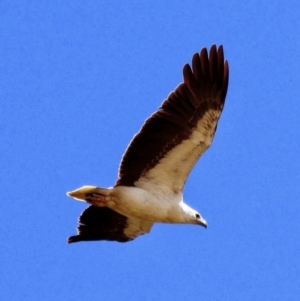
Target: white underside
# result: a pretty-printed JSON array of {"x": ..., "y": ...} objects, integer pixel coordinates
[
  {"x": 141, "y": 207},
  {"x": 157, "y": 197},
  {"x": 171, "y": 172},
  {"x": 157, "y": 206}
]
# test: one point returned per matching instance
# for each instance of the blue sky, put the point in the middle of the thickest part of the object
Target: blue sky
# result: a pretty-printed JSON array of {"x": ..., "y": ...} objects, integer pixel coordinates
[{"x": 78, "y": 79}]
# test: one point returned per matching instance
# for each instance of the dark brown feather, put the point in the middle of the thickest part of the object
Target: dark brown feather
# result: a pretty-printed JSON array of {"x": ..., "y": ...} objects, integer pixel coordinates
[
  {"x": 204, "y": 88},
  {"x": 101, "y": 223}
]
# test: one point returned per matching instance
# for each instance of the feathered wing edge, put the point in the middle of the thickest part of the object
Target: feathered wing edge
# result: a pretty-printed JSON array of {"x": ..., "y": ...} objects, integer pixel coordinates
[
  {"x": 204, "y": 88},
  {"x": 103, "y": 223}
]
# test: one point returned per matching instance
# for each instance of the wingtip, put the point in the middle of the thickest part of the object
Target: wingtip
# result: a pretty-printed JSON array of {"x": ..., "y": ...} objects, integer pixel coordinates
[
  {"x": 213, "y": 48},
  {"x": 72, "y": 239},
  {"x": 204, "y": 52}
]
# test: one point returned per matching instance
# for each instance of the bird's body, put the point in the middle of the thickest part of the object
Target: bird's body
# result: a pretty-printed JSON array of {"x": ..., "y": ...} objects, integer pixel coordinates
[
  {"x": 159, "y": 159},
  {"x": 161, "y": 205}
]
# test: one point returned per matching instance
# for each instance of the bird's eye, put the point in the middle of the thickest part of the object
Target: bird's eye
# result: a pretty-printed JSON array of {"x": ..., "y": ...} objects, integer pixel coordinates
[{"x": 197, "y": 215}]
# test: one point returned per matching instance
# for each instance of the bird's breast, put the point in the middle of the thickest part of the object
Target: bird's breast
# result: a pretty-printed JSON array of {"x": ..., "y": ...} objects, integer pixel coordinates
[{"x": 152, "y": 206}]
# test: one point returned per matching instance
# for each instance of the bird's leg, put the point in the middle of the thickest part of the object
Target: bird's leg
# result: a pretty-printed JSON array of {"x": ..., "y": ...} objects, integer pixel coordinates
[{"x": 99, "y": 200}]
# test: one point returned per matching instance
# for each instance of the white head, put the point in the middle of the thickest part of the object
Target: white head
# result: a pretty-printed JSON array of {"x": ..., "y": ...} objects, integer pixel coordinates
[{"x": 193, "y": 216}]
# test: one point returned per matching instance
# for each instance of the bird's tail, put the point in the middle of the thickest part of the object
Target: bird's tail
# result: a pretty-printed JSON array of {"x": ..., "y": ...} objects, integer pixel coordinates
[{"x": 83, "y": 193}]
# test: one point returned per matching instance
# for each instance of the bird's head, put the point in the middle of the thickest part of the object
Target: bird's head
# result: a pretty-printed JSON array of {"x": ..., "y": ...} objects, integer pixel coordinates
[
  {"x": 199, "y": 220},
  {"x": 194, "y": 217}
]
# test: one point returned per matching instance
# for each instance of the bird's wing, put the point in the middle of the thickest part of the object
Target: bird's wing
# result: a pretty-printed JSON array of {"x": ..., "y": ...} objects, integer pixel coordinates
[
  {"x": 103, "y": 223},
  {"x": 172, "y": 139}
]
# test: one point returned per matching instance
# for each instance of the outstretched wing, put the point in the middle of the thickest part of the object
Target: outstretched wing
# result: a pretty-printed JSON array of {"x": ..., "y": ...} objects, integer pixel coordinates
[
  {"x": 103, "y": 223},
  {"x": 172, "y": 139}
]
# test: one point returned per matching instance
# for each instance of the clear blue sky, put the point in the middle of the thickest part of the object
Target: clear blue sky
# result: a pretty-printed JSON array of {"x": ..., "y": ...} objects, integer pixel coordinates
[{"x": 78, "y": 79}]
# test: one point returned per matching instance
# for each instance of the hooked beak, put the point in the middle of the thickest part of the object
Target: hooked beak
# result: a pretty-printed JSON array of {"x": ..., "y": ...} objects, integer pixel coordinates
[{"x": 202, "y": 222}]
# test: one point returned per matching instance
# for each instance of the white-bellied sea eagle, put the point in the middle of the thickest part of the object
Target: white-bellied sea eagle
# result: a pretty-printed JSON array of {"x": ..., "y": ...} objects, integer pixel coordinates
[{"x": 159, "y": 158}]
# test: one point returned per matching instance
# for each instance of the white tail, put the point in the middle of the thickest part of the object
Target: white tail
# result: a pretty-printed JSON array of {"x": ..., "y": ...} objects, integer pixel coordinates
[{"x": 83, "y": 192}]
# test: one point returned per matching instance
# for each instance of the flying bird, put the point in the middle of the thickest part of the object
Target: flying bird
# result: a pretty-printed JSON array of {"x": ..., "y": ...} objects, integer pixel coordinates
[{"x": 159, "y": 158}]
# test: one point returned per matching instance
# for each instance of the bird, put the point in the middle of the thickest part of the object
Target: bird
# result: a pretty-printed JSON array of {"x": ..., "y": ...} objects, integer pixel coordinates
[{"x": 159, "y": 159}]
